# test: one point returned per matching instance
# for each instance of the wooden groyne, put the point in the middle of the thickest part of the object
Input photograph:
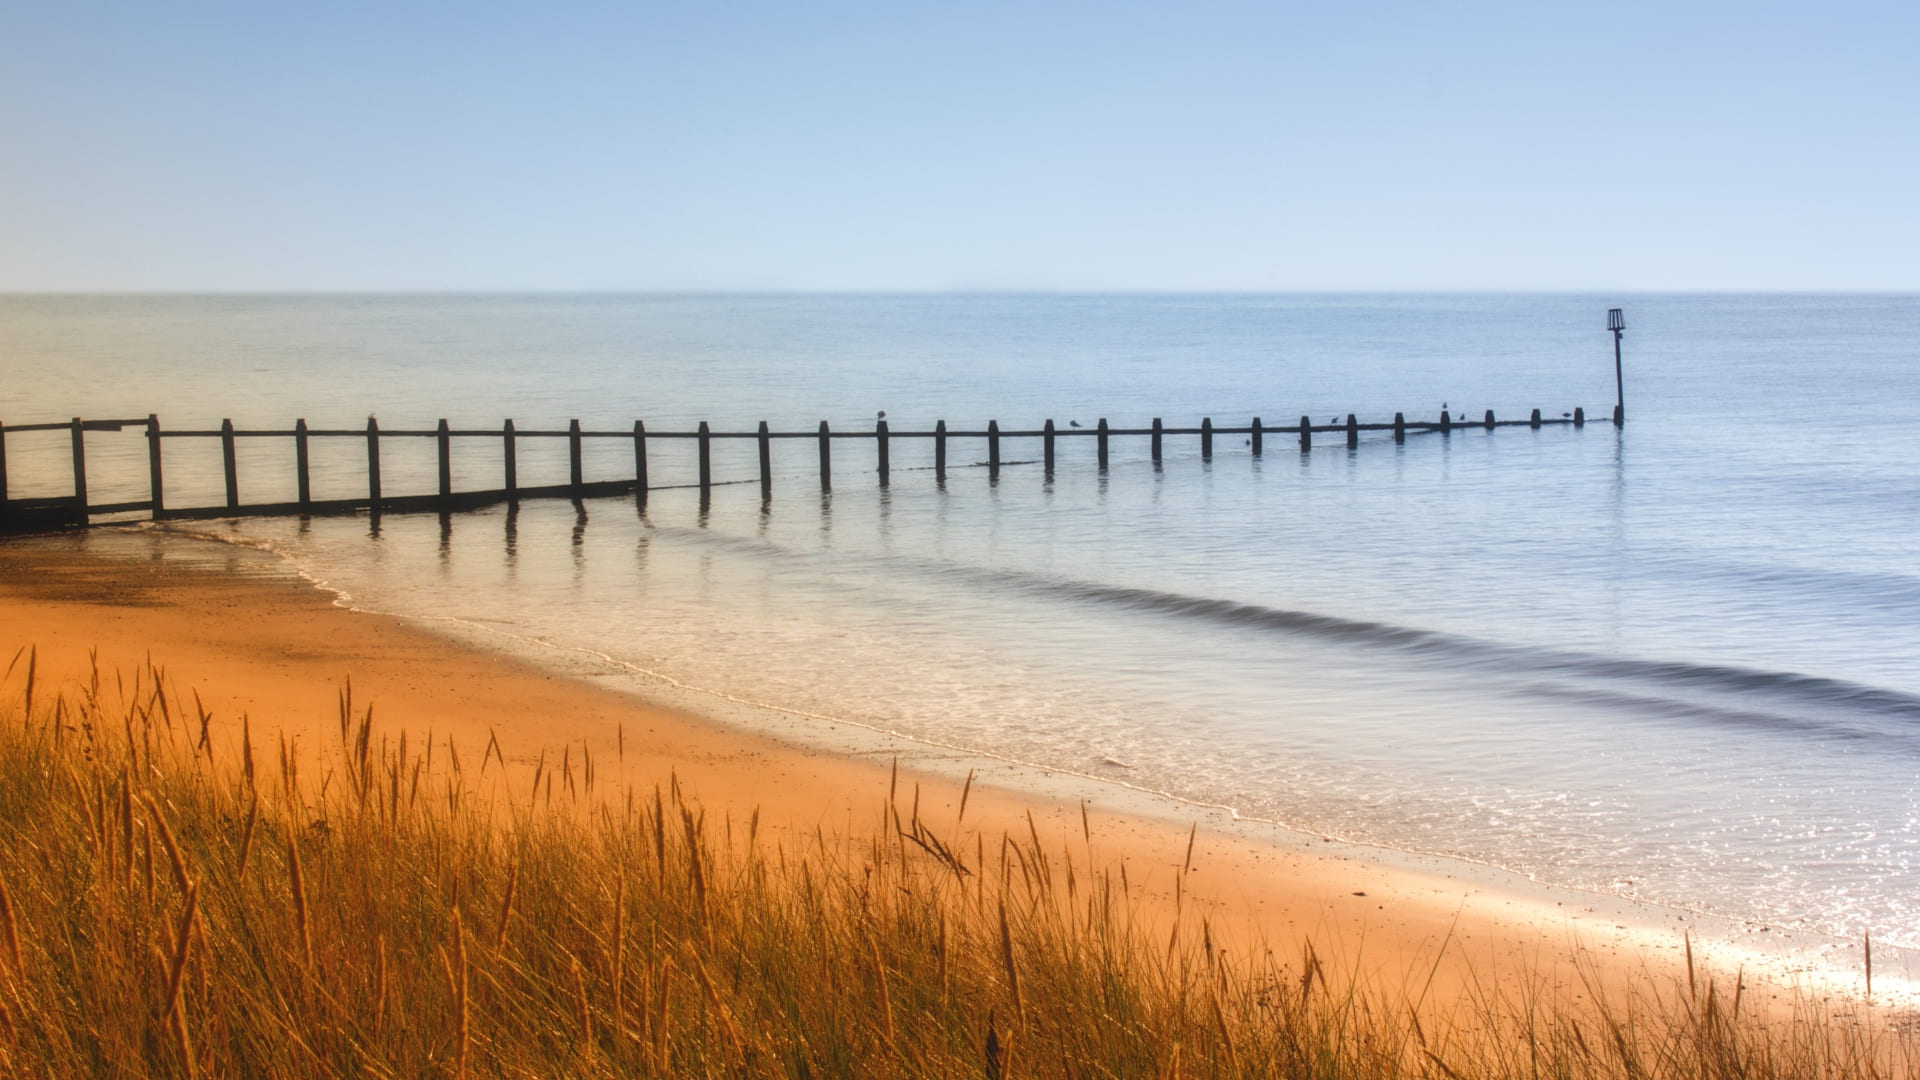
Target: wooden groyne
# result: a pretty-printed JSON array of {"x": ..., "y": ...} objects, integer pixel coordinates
[{"x": 75, "y": 510}]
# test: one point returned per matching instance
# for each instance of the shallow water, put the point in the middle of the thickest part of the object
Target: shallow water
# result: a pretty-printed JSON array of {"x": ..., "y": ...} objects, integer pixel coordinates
[{"x": 1673, "y": 661}]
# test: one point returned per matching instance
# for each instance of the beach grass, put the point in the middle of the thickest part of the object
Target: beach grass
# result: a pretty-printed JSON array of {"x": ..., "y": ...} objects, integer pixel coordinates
[{"x": 178, "y": 899}]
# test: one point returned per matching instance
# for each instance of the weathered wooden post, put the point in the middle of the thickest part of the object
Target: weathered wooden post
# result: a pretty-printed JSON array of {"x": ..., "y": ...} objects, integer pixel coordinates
[
  {"x": 510, "y": 460},
  {"x": 640, "y": 462},
  {"x": 766, "y": 463},
  {"x": 826, "y": 458},
  {"x": 1617, "y": 322},
  {"x": 445, "y": 439},
  {"x": 80, "y": 468},
  {"x": 1255, "y": 440},
  {"x": 1579, "y": 416},
  {"x": 705, "y": 440},
  {"x": 1047, "y": 443},
  {"x": 1156, "y": 440},
  {"x": 154, "y": 484},
  {"x": 1101, "y": 438},
  {"x": 576, "y": 474},
  {"x": 1489, "y": 420},
  {"x": 302, "y": 467},
  {"x": 373, "y": 465},
  {"x": 1446, "y": 423},
  {"x": 1534, "y": 420},
  {"x": 227, "y": 460},
  {"x": 880, "y": 446},
  {"x": 1353, "y": 432},
  {"x": 940, "y": 451},
  {"x": 1399, "y": 427},
  {"x": 1306, "y": 433},
  {"x": 993, "y": 449},
  {"x": 1206, "y": 438}
]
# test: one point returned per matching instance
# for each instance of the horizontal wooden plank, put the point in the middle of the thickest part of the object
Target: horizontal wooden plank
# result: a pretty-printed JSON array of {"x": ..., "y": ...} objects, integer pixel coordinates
[
  {"x": 413, "y": 504},
  {"x": 843, "y": 433}
]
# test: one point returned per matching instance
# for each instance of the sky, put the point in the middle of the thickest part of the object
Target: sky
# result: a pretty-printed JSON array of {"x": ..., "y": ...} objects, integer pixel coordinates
[{"x": 274, "y": 146}]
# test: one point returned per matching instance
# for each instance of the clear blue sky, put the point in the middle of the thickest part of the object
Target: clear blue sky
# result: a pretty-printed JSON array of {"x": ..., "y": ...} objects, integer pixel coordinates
[{"x": 339, "y": 146}]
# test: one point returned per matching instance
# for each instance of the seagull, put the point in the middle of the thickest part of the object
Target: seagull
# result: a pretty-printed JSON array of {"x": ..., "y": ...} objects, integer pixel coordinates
[
  {"x": 882, "y": 416},
  {"x": 1073, "y": 423},
  {"x": 1566, "y": 414}
]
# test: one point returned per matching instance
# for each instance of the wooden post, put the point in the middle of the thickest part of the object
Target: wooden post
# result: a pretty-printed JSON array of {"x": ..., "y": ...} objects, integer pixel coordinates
[
  {"x": 1399, "y": 427},
  {"x": 640, "y": 462},
  {"x": 1534, "y": 420},
  {"x": 706, "y": 461},
  {"x": 576, "y": 474},
  {"x": 1489, "y": 419},
  {"x": 880, "y": 446},
  {"x": 826, "y": 458},
  {"x": 445, "y": 439},
  {"x": 79, "y": 467},
  {"x": 1353, "y": 431},
  {"x": 1579, "y": 416},
  {"x": 1156, "y": 440},
  {"x": 993, "y": 448},
  {"x": 1255, "y": 440},
  {"x": 373, "y": 465},
  {"x": 510, "y": 460},
  {"x": 1206, "y": 438},
  {"x": 4, "y": 513},
  {"x": 1446, "y": 423},
  {"x": 766, "y": 463},
  {"x": 226, "y": 459},
  {"x": 302, "y": 467},
  {"x": 1306, "y": 433},
  {"x": 940, "y": 451},
  {"x": 1102, "y": 440},
  {"x": 1047, "y": 443},
  {"x": 153, "y": 467}
]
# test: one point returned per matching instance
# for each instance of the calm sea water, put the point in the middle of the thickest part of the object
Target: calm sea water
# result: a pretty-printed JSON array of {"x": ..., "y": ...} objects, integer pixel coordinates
[{"x": 1679, "y": 662}]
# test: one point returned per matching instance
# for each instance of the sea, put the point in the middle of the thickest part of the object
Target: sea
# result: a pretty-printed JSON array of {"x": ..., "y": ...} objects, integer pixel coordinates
[{"x": 1676, "y": 661}]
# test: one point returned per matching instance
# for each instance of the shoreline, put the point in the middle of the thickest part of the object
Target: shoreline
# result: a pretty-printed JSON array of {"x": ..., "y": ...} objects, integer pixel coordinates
[{"x": 1448, "y": 919}]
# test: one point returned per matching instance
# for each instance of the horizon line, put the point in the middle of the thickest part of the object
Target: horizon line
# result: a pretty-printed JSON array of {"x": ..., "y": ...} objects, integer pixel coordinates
[{"x": 955, "y": 292}]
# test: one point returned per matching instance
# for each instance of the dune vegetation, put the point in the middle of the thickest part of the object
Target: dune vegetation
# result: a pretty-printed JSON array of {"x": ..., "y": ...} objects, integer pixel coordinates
[{"x": 177, "y": 899}]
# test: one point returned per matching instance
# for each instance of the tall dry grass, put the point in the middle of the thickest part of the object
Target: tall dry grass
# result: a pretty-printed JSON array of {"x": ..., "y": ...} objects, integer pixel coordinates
[{"x": 176, "y": 899}]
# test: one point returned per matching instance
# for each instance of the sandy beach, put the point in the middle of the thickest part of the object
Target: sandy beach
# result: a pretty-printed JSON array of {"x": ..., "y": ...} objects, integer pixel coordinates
[{"x": 254, "y": 640}]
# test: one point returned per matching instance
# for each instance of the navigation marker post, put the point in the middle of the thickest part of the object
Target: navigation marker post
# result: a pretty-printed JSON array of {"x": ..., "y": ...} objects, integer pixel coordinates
[{"x": 1616, "y": 322}]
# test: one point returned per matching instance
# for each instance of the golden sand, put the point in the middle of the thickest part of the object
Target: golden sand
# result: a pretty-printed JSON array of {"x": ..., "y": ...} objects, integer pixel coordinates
[{"x": 272, "y": 648}]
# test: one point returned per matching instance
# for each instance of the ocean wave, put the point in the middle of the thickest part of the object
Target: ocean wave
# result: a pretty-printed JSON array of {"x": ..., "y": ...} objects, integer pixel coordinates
[{"x": 1757, "y": 697}]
